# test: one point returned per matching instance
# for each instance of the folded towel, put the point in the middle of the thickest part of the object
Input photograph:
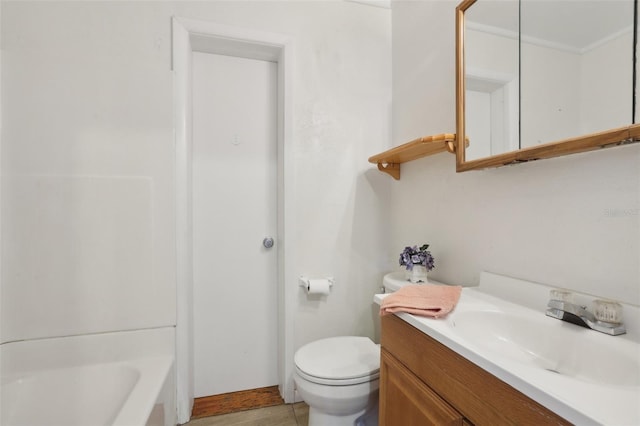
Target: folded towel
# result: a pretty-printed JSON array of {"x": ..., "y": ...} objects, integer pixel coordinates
[{"x": 427, "y": 300}]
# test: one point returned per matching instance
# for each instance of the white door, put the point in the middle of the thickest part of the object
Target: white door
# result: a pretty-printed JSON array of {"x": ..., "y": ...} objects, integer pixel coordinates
[{"x": 234, "y": 180}]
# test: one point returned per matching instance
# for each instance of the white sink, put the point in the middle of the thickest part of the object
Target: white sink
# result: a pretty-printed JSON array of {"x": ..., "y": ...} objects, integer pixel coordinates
[{"x": 538, "y": 341}]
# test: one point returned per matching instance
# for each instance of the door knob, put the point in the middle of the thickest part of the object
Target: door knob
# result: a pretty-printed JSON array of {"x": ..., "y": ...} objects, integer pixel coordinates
[{"x": 267, "y": 242}]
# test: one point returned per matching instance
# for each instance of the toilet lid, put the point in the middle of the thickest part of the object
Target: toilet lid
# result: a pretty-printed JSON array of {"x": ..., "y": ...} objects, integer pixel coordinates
[{"x": 339, "y": 358}]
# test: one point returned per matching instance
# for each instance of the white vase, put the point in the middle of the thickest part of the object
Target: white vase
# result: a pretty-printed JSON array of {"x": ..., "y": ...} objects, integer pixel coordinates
[{"x": 417, "y": 275}]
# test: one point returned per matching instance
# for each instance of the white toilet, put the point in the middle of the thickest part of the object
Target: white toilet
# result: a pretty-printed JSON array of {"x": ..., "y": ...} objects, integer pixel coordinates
[{"x": 338, "y": 378}]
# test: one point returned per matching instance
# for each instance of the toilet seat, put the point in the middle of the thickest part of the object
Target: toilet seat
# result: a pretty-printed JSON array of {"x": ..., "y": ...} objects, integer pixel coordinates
[{"x": 339, "y": 361}]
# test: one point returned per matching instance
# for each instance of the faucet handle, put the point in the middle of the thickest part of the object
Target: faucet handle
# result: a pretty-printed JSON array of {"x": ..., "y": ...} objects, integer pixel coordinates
[
  {"x": 607, "y": 311},
  {"x": 561, "y": 295}
]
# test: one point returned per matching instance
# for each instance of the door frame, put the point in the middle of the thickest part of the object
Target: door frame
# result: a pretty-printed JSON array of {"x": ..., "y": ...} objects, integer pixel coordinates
[
  {"x": 194, "y": 35},
  {"x": 489, "y": 82}
]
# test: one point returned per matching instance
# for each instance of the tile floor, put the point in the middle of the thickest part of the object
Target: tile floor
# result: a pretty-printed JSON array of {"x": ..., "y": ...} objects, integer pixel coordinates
[{"x": 278, "y": 415}]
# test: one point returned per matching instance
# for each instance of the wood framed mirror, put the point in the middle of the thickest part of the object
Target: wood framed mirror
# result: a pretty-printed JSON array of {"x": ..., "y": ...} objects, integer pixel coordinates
[{"x": 539, "y": 79}]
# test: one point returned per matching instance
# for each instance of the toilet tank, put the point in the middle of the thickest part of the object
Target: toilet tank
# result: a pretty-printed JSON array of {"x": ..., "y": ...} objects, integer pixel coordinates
[{"x": 393, "y": 281}]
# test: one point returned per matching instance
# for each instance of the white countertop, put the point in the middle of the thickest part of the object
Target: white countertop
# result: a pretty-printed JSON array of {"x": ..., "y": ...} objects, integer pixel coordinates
[{"x": 579, "y": 400}]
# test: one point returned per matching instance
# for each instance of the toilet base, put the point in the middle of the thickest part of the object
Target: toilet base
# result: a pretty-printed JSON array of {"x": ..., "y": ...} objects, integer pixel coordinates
[{"x": 366, "y": 417}]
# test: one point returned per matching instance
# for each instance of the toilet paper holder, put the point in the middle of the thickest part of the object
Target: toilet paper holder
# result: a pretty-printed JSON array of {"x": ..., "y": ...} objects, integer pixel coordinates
[{"x": 303, "y": 281}]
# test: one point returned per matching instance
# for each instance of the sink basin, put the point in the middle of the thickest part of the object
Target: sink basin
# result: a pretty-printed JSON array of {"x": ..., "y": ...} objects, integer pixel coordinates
[{"x": 551, "y": 345}]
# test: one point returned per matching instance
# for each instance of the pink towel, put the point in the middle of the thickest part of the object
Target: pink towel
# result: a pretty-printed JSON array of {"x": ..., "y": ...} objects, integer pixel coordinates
[{"x": 428, "y": 300}]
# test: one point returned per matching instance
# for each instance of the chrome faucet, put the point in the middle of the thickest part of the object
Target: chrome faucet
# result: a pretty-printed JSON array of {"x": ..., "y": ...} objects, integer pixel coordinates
[{"x": 579, "y": 315}]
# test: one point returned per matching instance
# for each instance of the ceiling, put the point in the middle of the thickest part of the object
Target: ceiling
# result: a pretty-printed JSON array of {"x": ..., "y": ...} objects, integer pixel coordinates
[{"x": 574, "y": 24}]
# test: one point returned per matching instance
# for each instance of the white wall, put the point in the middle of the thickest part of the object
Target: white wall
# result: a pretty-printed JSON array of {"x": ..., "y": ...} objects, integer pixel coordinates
[
  {"x": 341, "y": 101},
  {"x": 572, "y": 221},
  {"x": 606, "y": 90},
  {"x": 87, "y": 169},
  {"x": 550, "y": 95},
  {"x": 89, "y": 87}
]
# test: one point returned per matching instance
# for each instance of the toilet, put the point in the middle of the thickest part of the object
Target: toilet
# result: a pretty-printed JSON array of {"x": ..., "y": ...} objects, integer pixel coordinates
[{"x": 338, "y": 377}]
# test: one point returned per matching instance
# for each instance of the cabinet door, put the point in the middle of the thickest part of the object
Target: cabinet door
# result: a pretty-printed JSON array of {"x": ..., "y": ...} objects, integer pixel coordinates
[{"x": 405, "y": 400}]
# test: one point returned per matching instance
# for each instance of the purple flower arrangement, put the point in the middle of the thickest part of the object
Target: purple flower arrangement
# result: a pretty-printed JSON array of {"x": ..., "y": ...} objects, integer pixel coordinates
[{"x": 411, "y": 256}]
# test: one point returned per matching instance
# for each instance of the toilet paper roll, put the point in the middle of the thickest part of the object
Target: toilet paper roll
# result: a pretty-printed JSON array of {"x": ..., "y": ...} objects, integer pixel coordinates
[{"x": 319, "y": 286}]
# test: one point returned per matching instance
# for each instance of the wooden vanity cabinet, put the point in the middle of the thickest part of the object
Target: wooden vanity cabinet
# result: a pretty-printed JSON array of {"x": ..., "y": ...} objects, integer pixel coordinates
[
  {"x": 422, "y": 382},
  {"x": 406, "y": 400}
]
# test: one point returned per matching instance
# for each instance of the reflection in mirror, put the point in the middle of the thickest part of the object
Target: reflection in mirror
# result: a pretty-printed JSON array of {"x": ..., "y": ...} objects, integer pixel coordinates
[
  {"x": 543, "y": 71},
  {"x": 576, "y": 68},
  {"x": 492, "y": 75}
]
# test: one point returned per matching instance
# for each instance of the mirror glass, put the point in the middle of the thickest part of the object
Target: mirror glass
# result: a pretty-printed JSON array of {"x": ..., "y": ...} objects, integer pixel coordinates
[{"x": 543, "y": 71}]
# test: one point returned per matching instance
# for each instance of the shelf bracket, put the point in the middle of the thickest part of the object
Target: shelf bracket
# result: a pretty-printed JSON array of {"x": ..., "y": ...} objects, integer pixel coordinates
[
  {"x": 391, "y": 169},
  {"x": 451, "y": 145},
  {"x": 389, "y": 162}
]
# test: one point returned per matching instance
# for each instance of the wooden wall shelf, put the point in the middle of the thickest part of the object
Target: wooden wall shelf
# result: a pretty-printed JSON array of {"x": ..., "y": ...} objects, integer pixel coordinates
[{"x": 389, "y": 161}]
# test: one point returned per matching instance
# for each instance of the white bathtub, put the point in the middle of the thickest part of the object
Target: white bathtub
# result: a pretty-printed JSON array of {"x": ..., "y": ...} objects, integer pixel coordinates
[{"x": 123, "y": 379}]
